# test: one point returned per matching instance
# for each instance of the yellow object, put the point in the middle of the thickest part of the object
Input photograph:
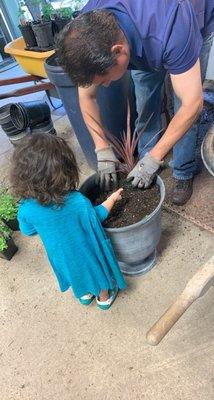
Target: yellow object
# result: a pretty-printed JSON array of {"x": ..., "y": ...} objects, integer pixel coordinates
[{"x": 32, "y": 62}]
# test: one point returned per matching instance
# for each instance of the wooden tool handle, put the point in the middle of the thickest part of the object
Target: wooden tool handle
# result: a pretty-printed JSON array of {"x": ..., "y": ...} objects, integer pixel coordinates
[
  {"x": 166, "y": 322},
  {"x": 195, "y": 288}
]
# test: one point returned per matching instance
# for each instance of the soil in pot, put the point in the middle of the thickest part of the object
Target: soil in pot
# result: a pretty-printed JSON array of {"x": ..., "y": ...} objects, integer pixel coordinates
[{"x": 135, "y": 205}]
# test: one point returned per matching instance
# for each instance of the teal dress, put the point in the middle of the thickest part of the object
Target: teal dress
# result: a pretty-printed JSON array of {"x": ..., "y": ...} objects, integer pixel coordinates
[{"x": 77, "y": 247}]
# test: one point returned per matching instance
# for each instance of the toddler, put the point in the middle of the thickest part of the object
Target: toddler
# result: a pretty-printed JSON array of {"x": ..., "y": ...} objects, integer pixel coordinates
[{"x": 45, "y": 177}]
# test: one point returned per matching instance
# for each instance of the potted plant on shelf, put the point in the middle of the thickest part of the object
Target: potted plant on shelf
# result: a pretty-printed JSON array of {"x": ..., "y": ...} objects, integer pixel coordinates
[
  {"x": 44, "y": 28},
  {"x": 62, "y": 17},
  {"x": 26, "y": 28},
  {"x": 7, "y": 245},
  {"x": 134, "y": 226},
  {"x": 8, "y": 210},
  {"x": 39, "y": 33}
]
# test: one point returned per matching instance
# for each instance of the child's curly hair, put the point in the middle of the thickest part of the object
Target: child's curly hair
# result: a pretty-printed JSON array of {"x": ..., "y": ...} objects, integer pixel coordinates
[{"x": 44, "y": 168}]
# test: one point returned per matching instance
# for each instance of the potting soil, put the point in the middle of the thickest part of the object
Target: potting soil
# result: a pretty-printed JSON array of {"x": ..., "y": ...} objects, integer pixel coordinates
[{"x": 134, "y": 205}]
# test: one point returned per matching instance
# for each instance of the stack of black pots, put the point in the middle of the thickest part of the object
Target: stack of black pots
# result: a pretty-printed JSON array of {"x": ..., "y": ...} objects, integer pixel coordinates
[
  {"x": 20, "y": 119},
  {"x": 8, "y": 127},
  {"x": 40, "y": 35}
]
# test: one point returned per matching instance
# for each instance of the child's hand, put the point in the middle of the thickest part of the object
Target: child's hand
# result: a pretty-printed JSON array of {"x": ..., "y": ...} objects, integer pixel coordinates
[{"x": 116, "y": 196}]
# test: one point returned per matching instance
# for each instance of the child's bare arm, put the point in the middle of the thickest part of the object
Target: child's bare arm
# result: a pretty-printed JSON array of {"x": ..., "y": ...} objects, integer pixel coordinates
[{"x": 109, "y": 202}]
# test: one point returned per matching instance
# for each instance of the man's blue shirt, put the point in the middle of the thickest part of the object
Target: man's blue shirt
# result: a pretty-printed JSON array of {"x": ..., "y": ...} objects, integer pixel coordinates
[{"x": 161, "y": 33}]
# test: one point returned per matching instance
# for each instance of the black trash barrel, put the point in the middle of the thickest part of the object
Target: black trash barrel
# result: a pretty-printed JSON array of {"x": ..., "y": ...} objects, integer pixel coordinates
[{"x": 112, "y": 101}]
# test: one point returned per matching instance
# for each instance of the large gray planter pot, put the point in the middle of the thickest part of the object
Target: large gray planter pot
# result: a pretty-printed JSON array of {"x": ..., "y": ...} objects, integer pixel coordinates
[
  {"x": 207, "y": 150},
  {"x": 134, "y": 245}
]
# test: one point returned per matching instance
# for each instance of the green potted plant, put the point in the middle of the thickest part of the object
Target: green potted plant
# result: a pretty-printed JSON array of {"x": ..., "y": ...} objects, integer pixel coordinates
[
  {"x": 62, "y": 17},
  {"x": 39, "y": 33},
  {"x": 65, "y": 14},
  {"x": 47, "y": 11},
  {"x": 7, "y": 245},
  {"x": 44, "y": 28},
  {"x": 8, "y": 210},
  {"x": 26, "y": 28}
]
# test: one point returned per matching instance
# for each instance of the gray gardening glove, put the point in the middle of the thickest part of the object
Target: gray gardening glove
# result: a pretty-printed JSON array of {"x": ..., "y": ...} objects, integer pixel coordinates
[
  {"x": 144, "y": 172},
  {"x": 106, "y": 165}
]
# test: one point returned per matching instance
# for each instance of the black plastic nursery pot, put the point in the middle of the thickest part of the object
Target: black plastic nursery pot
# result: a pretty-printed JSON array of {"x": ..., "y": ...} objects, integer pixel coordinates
[
  {"x": 13, "y": 224},
  {"x": 5, "y": 121},
  {"x": 44, "y": 33},
  {"x": 5, "y": 114},
  {"x": 45, "y": 127},
  {"x": 29, "y": 114},
  {"x": 14, "y": 134},
  {"x": 9, "y": 252},
  {"x": 112, "y": 102},
  {"x": 10, "y": 129},
  {"x": 28, "y": 36},
  {"x": 16, "y": 139},
  {"x": 60, "y": 23}
]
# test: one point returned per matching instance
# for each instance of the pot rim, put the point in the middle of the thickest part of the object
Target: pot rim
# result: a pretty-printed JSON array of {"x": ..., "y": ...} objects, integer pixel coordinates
[
  {"x": 206, "y": 150},
  {"x": 4, "y": 109},
  {"x": 56, "y": 68},
  {"x": 144, "y": 220}
]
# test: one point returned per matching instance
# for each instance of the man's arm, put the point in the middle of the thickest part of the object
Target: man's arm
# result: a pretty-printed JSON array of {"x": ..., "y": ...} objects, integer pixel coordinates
[
  {"x": 188, "y": 88},
  {"x": 91, "y": 114},
  {"x": 106, "y": 159}
]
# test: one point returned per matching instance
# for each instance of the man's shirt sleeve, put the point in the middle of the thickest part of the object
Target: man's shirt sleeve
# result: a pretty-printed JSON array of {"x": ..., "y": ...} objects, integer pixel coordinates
[{"x": 182, "y": 42}]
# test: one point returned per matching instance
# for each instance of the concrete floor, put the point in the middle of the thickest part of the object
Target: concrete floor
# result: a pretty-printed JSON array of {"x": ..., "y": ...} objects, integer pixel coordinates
[{"x": 53, "y": 348}]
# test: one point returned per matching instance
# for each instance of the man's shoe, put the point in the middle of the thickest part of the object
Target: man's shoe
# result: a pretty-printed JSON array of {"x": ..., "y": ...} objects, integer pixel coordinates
[{"x": 182, "y": 191}]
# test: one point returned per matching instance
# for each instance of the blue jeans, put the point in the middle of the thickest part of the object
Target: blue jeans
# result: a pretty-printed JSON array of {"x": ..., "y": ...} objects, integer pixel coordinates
[{"x": 149, "y": 96}]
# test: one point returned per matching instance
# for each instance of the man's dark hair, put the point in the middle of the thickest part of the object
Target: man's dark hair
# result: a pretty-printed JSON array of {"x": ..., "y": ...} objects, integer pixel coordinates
[
  {"x": 84, "y": 46},
  {"x": 44, "y": 168}
]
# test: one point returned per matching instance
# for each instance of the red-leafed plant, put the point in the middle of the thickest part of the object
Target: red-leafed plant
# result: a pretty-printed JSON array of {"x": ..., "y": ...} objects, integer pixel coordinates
[{"x": 126, "y": 146}]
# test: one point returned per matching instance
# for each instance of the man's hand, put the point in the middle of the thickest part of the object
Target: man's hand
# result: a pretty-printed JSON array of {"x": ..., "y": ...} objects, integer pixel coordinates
[
  {"x": 144, "y": 172},
  {"x": 106, "y": 165}
]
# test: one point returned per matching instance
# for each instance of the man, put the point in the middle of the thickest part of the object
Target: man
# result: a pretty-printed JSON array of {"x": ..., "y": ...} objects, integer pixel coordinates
[{"x": 150, "y": 38}]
